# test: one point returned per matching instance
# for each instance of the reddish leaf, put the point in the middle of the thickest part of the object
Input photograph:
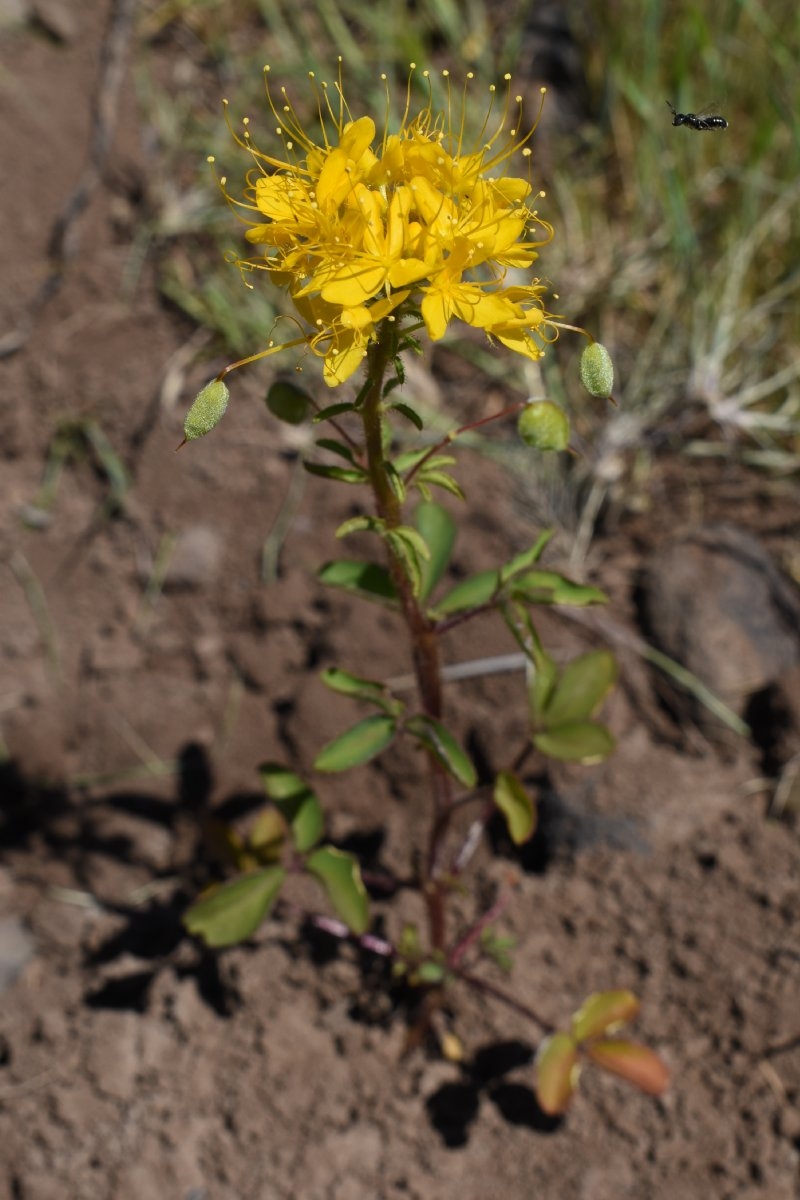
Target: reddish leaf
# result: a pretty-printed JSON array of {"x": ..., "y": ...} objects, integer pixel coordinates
[{"x": 639, "y": 1065}]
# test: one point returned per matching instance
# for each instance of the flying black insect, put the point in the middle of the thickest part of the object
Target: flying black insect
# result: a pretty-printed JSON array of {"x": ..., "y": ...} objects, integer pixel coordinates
[{"x": 696, "y": 122}]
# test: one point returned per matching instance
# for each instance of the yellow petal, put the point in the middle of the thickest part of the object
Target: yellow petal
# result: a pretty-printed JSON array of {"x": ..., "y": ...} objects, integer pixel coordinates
[
  {"x": 407, "y": 270},
  {"x": 333, "y": 184},
  {"x": 353, "y": 283},
  {"x": 357, "y": 137},
  {"x": 436, "y": 312},
  {"x": 343, "y": 358}
]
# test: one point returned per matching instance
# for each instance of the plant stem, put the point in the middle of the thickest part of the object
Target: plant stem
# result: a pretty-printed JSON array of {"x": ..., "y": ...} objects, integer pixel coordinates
[
  {"x": 422, "y": 632},
  {"x": 489, "y": 989},
  {"x": 425, "y": 646}
]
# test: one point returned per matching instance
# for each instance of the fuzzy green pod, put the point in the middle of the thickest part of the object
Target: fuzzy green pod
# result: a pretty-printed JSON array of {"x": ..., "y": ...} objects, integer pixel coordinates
[
  {"x": 597, "y": 371},
  {"x": 544, "y": 426},
  {"x": 207, "y": 411}
]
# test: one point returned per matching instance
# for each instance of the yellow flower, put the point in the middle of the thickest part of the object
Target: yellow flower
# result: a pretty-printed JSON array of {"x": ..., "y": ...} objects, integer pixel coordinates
[{"x": 411, "y": 225}]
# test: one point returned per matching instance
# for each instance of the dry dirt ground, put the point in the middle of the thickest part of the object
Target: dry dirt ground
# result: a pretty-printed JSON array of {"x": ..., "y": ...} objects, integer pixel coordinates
[{"x": 133, "y": 1064}]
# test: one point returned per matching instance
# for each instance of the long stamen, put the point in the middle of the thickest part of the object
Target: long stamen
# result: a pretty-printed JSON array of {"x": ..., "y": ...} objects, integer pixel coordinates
[{"x": 467, "y": 80}]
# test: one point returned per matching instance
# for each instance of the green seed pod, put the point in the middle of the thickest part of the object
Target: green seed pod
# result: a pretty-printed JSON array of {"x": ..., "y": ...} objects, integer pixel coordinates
[
  {"x": 597, "y": 371},
  {"x": 544, "y": 426},
  {"x": 207, "y": 411},
  {"x": 288, "y": 402}
]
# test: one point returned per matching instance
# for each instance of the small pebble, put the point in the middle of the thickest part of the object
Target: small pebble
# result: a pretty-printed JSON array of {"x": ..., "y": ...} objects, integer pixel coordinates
[{"x": 16, "y": 949}]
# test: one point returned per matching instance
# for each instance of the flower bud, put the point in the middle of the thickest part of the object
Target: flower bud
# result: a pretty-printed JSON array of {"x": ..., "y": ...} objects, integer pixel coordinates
[
  {"x": 597, "y": 371},
  {"x": 544, "y": 426},
  {"x": 207, "y": 411}
]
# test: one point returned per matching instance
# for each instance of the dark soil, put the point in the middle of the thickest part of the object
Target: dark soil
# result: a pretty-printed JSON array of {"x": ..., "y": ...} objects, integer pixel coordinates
[{"x": 135, "y": 1065}]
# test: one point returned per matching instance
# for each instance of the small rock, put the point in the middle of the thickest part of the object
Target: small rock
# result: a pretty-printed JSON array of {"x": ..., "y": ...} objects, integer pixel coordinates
[
  {"x": 16, "y": 949},
  {"x": 55, "y": 19},
  {"x": 717, "y": 603},
  {"x": 14, "y": 13},
  {"x": 196, "y": 558}
]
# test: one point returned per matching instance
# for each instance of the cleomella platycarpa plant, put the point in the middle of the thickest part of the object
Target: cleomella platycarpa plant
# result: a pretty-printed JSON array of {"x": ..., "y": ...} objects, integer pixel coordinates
[{"x": 381, "y": 238}]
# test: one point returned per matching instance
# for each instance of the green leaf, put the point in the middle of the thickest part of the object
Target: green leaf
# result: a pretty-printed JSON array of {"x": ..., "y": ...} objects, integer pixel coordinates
[
  {"x": 474, "y": 592},
  {"x": 498, "y": 948},
  {"x": 430, "y": 972},
  {"x": 340, "y": 474},
  {"x": 408, "y": 942},
  {"x": 405, "y": 552},
  {"x": 409, "y": 413},
  {"x": 603, "y": 1011},
  {"x": 635, "y": 1063},
  {"x": 336, "y": 447},
  {"x": 516, "y": 806},
  {"x": 280, "y": 783},
  {"x": 541, "y": 683},
  {"x": 361, "y": 689},
  {"x": 556, "y": 1072},
  {"x": 370, "y": 580},
  {"x": 415, "y": 540},
  {"x": 332, "y": 410},
  {"x": 392, "y": 385},
  {"x": 308, "y": 824},
  {"x": 439, "y": 531},
  {"x": 288, "y": 402},
  {"x": 518, "y": 620},
  {"x": 586, "y": 743},
  {"x": 268, "y": 835},
  {"x": 427, "y": 479},
  {"x": 360, "y": 524},
  {"x": 521, "y": 562},
  {"x": 439, "y": 460},
  {"x": 296, "y": 802},
  {"x": 582, "y": 686},
  {"x": 548, "y": 587},
  {"x": 235, "y": 910},
  {"x": 340, "y": 875},
  {"x": 357, "y": 745},
  {"x": 405, "y": 462},
  {"x": 363, "y": 392},
  {"x": 411, "y": 458},
  {"x": 395, "y": 481},
  {"x": 444, "y": 748}
]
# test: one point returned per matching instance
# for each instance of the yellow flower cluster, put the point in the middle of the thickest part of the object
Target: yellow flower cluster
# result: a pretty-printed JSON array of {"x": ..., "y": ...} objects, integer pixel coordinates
[{"x": 359, "y": 232}]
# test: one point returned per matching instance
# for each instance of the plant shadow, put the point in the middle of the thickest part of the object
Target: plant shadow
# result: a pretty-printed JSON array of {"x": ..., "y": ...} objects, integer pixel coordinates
[{"x": 454, "y": 1106}]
